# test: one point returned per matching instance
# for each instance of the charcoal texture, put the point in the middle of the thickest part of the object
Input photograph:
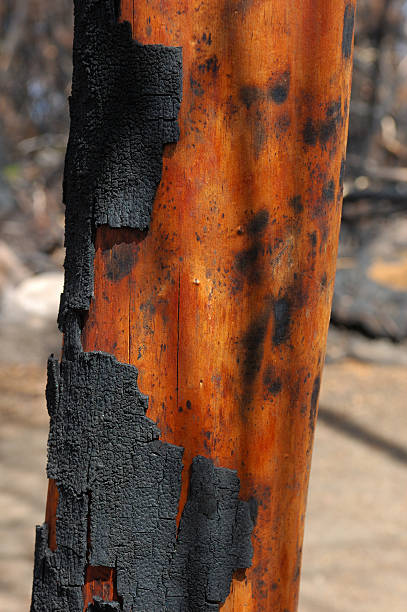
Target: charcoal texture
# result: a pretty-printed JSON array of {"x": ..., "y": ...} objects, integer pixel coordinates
[
  {"x": 51, "y": 587},
  {"x": 119, "y": 486},
  {"x": 124, "y": 107},
  {"x": 214, "y": 540}
]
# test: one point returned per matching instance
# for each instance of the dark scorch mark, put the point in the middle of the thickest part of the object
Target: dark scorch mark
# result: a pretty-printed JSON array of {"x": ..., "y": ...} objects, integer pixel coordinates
[
  {"x": 196, "y": 87},
  {"x": 282, "y": 320},
  {"x": 249, "y": 94},
  {"x": 211, "y": 65},
  {"x": 296, "y": 204},
  {"x": 253, "y": 345},
  {"x": 328, "y": 191},
  {"x": 279, "y": 88},
  {"x": 310, "y": 133},
  {"x": 314, "y": 402},
  {"x": 258, "y": 223},
  {"x": 342, "y": 174},
  {"x": 324, "y": 130},
  {"x": 119, "y": 261},
  {"x": 272, "y": 384},
  {"x": 245, "y": 261},
  {"x": 347, "y": 33}
]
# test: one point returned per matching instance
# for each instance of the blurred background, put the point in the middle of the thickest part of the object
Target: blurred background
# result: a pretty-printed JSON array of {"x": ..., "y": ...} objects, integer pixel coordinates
[{"x": 355, "y": 550}]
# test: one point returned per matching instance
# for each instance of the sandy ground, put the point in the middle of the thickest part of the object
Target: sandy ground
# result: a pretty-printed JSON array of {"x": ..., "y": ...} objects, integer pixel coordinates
[{"x": 355, "y": 550}]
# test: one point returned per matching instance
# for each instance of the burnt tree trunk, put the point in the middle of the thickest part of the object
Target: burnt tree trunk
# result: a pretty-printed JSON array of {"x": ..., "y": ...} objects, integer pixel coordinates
[{"x": 203, "y": 191}]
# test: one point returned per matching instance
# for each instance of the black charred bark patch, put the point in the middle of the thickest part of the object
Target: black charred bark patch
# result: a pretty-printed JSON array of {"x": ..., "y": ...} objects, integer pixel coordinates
[
  {"x": 214, "y": 540},
  {"x": 124, "y": 107},
  {"x": 119, "y": 485}
]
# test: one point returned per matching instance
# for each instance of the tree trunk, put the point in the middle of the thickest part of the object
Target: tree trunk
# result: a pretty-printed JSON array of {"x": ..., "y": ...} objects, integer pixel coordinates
[{"x": 223, "y": 302}]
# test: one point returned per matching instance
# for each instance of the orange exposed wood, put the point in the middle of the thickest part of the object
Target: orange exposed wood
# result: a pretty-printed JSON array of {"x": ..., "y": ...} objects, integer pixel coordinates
[
  {"x": 223, "y": 305},
  {"x": 51, "y": 513}
]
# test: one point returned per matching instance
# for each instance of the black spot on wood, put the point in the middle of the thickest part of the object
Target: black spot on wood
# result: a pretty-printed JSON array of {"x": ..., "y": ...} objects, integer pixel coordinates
[
  {"x": 207, "y": 38},
  {"x": 342, "y": 174},
  {"x": 279, "y": 88},
  {"x": 282, "y": 320},
  {"x": 272, "y": 384},
  {"x": 324, "y": 130},
  {"x": 327, "y": 130},
  {"x": 196, "y": 87},
  {"x": 313, "y": 239},
  {"x": 120, "y": 262},
  {"x": 281, "y": 125},
  {"x": 246, "y": 260},
  {"x": 124, "y": 106},
  {"x": 253, "y": 348},
  {"x": 296, "y": 204},
  {"x": 258, "y": 223},
  {"x": 310, "y": 133},
  {"x": 314, "y": 402},
  {"x": 333, "y": 119},
  {"x": 211, "y": 65},
  {"x": 119, "y": 486},
  {"x": 232, "y": 8},
  {"x": 328, "y": 191},
  {"x": 249, "y": 94},
  {"x": 297, "y": 569},
  {"x": 347, "y": 33}
]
